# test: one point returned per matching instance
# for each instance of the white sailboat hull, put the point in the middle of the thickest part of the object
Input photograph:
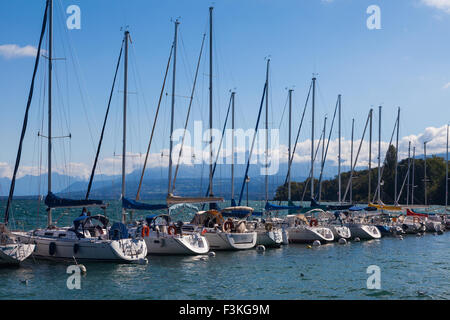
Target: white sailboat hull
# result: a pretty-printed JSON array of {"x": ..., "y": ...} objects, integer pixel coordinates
[
  {"x": 304, "y": 234},
  {"x": 15, "y": 253},
  {"x": 340, "y": 232},
  {"x": 364, "y": 231},
  {"x": 176, "y": 245},
  {"x": 123, "y": 250},
  {"x": 273, "y": 238},
  {"x": 219, "y": 240}
]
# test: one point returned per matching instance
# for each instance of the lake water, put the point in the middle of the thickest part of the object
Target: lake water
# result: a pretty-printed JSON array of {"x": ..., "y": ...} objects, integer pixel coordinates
[{"x": 413, "y": 268}]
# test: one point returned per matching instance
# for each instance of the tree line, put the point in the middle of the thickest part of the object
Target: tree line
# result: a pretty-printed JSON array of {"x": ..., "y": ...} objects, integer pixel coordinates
[{"x": 435, "y": 167}]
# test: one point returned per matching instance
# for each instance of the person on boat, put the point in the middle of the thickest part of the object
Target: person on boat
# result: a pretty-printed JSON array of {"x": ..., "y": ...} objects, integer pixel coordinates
[{"x": 83, "y": 212}]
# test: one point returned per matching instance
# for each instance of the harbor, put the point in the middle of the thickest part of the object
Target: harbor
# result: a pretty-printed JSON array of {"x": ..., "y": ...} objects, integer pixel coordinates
[
  {"x": 331, "y": 271},
  {"x": 196, "y": 196}
]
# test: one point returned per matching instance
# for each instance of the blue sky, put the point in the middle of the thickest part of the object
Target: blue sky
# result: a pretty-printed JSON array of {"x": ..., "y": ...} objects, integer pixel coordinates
[{"x": 404, "y": 64}]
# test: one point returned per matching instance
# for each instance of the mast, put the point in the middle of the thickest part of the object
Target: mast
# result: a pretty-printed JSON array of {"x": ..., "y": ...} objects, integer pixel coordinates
[
  {"x": 413, "y": 175},
  {"x": 312, "y": 136},
  {"x": 50, "y": 55},
  {"x": 379, "y": 155},
  {"x": 323, "y": 157},
  {"x": 25, "y": 120},
  {"x": 351, "y": 161},
  {"x": 446, "y": 174},
  {"x": 425, "y": 170},
  {"x": 396, "y": 158},
  {"x": 289, "y": 146},
  {"x": 339, "y": 152},
  {"x": 266, "y": 180},
  {"x": 370, "y": 157},
  {"x": 232, "y": 147},
  {"x": 174, "y": 70},
  {"x": 409, "y": 169},
  {"x": 124, "y": 142},
  {"x": 210, "y": 99}
]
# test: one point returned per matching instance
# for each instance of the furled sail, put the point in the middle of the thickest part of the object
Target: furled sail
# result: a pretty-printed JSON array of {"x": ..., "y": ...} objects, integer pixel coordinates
[
  {"x": 273, "y": 207},
  {"x": 135, "y": 205},
  {"x": 171, "y": 199},
  {"x": 52, "y": 201}
]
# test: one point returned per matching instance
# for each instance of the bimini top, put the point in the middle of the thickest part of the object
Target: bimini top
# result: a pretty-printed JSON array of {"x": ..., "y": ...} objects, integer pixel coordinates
[
  {"x": 238, "y": 212},
  {"x": 150, "y": 218},
  {"x": 135, "y": 205},
  {"x": 52, "y": 201},
  {"x": 83, "y": 219}
]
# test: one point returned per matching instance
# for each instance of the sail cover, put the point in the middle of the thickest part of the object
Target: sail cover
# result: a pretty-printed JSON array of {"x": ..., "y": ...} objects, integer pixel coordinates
[
  {"x": 52, "y": 201},
  {"x": 274, "y": 207},
  {"x": 135, "y": 205},
  {"x": 409, "y": 212},
  {"x": 171, "y": 199}
]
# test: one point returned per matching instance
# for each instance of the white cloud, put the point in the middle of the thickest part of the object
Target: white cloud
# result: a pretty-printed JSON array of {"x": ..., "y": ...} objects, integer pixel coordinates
[
  {"x": 10, "y": 51},
  {"x": 443, "y": 5},
  {"x": 436, "y": 138},
  {"x": 446, "y": 86}
]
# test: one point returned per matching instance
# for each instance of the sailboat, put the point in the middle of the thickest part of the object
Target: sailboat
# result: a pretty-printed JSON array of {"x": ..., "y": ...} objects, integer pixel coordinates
[
  {"x": 221, "y": 234},
  {"x": 89, "y": 238},
  {"x": 269, "y": 234},
  {"x": 380, "y": 205},
  {"x": 12, "y": 250},
  {"x": 158, "y": 231}
]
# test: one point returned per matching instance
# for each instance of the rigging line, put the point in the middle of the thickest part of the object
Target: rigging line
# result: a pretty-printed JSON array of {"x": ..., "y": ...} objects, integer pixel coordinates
[
  {"x": 219, "y": 148},
  {"x": 25, "y": 121},
  {"x": 310, "y": 171},
  {"x": 91, "y": 178},
  {"x": 357, "y": 156},
  {"x": 284, "y": 110},
  {"x": 132, "y": 133},
  {"x": 298, "y": 136},
  {"x": 138, "y": 80},
  {"x": 188, "y": 113},
  {"x": 76, "y": 64},
  {"x": 154, "y": 124},
  {"x": 328, "y": 142},
  {"x": 403, "y": 184},
  {"x": 384, "y": 161},
  {"x": 253, "y": 143}
]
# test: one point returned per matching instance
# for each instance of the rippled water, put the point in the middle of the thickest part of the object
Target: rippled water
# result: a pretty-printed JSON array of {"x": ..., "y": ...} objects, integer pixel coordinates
[{"x": 413, "y": 268}]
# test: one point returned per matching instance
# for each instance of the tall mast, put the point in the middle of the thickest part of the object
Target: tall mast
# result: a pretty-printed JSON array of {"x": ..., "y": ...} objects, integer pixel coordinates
[
  {"x": 351, "y": 161},
  {"x": 339, "y": 152},
  {"x": 409, "y": 169},
  {"x": 370, "y": 157},
  {"x": 174, "y": 70},
  {"x": 267, "y": 131},
  {"x": 232, "y": 147},
  {"x": 50, "y": 57},
  {"x": 396, "y": 158},
  {"x": 413, "y": 175},
  {"x": 425, "y": 170},
  {"x": 210, "y": 98},
  {"x": 289, "y": 146},
  {"x": 379, "y": 155},
  {"x": 312, "y": 136},
  {"x": 323, "y": 157},
  {"x": 446, "y": 174},
  {"x": 124, "y": 142}
]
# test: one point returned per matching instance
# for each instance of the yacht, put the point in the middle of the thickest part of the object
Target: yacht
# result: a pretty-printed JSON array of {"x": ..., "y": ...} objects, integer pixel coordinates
[
  {"x": 301, "y": 230},
  {"x": 221, "y": 234},
  {"x": 166, "y": 238},
  {"x": 12, "y": 251}
]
